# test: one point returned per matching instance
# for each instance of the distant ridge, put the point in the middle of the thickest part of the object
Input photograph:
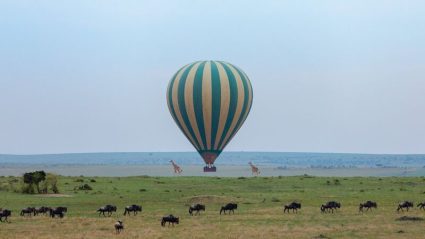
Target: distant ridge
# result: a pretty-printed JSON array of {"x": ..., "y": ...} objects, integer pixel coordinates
[{"x": 279, "y": 159}]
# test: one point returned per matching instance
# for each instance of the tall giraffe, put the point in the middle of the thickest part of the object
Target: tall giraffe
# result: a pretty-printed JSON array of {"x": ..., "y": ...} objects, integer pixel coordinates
[
  {"x": 254, "y": 169},
  {"x": 176, "y": 167}
]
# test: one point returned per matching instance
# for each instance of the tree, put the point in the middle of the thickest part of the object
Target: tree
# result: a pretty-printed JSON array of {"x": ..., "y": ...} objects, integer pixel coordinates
[
  {"x": 33, "y": 178},
  {"x": 38, "y": 177}
]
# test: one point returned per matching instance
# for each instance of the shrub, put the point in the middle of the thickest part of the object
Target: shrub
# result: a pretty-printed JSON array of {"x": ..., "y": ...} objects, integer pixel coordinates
[
  {"x": 92, "y": 180},
  {"x": 51, "y": 183},
  {"x": 27, "y": 188},
  {"x": 85, "y": 187}
]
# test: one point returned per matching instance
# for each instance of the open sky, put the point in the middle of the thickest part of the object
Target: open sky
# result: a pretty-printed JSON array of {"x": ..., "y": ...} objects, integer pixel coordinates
[{"x": 328, "y": 76}]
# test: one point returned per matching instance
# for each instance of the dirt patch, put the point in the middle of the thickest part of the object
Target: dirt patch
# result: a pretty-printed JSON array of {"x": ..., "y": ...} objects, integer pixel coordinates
[
  {"x": 407, "y": 218},
  {"x": 206, "y": 199},
  {"x": 51, "y": 195}
]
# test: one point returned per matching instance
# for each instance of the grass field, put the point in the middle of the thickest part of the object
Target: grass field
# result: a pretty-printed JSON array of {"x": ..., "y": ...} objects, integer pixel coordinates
[{"x": 259, "y": 214}]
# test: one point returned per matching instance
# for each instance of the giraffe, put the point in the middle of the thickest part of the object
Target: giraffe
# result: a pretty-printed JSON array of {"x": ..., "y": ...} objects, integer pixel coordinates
[
  {"x": 254, "y": 169},
  {"x": 176, "y": 167}
]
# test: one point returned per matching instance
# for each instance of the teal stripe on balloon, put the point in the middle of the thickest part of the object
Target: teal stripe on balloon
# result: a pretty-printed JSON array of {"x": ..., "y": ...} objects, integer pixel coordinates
[
  {"x": 182, "y": 105},
  {"x": 233, "y": 101},
  {"x": 197, "y": 102},
  {"x": 216, "y": 102}
]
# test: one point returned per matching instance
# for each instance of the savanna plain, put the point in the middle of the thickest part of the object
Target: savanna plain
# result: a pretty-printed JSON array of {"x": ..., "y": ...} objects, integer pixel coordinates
[{"x": 259, "y": 215}]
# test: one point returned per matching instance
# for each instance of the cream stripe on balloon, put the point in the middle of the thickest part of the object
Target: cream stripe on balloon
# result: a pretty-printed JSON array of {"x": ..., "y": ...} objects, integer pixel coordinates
[
  {"x": 175, "y": 101},
  {"x": 188, "y": 100},
  {"x": 207, "y": 102},
  {"x": 250, "y": 94},
  {"x": 169, "y": 86},
  {"x": 225, "y": 102},
  {"x": 239, "y": 107}
]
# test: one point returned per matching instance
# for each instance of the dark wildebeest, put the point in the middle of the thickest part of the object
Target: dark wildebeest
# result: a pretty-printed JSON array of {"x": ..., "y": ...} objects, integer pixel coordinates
[
  {"x": 170, "y": 219},
  {"x": 133, "y": 208},
  {"x": 42, "y": 210},
  {"x": 108, "y": 208},
  {"x": 29, "y": 211},
  {"x": 197, "y": 208},
  {"x": 368, "y": 205},
  {"x": 294, "y": 206},
  {"x": 5, "y": 213},
  {"x": 405, "y": 204},
  {"x": 421, "y": 205},
  {"x": 119, "y": 226},
  {"x": 229, "y": 207},
  {"x": 330, "y": 207},
  {"x": 58, "y": 211}
]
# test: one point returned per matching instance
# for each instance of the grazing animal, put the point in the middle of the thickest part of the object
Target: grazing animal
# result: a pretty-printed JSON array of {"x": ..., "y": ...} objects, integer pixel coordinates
[
  {"x": 119, "y": 226},
  {"x": 197, "y": 208},
  {"x": 170, "y": 219},
  {"x": 405, "y": 204},
  {"x": 133, "y": 208},
  {"x": 368, "y": 205},
  {"x": 330, "y": 207},
  {"x": 324, "y": 208},
  {"x": 59, "y": 211},
  {"x": 421, "y": 205},
  {"x": 41, "y": 210},
  {"x": 254, "y": 169},
  {"x": 229, "y": 207},
  {"x": 29, "y": 211},
  {"x": 294, "y": 206},
  {"x": 108, "y": 208},
  {"x": 177, "y": 168},
  {"x": 5, "y": 214}
]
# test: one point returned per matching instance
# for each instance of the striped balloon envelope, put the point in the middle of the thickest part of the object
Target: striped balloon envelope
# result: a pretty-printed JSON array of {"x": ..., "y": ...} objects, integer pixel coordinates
[{"x": 209, "y": 101}]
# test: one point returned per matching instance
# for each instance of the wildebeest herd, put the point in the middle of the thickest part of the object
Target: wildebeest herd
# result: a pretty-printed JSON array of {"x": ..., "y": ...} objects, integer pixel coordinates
[
  {"x": 52, "y": 211},
  {"x": 195, "y": 209}
]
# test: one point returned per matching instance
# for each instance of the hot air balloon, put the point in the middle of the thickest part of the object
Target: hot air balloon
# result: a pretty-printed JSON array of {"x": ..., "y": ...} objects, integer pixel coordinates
[{"x": 209, "y": 101}]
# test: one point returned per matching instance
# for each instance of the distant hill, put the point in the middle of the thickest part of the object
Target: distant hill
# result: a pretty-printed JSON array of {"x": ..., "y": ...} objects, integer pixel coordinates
[{"x": 300, "y": 160}]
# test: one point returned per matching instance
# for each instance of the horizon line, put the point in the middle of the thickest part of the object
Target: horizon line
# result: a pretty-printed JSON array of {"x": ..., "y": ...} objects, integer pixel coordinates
[{"x": 194, "y": 152}]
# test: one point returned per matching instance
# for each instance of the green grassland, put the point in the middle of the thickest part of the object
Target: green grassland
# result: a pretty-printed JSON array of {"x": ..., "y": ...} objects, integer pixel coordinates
[{"x": 259, "y": 215}]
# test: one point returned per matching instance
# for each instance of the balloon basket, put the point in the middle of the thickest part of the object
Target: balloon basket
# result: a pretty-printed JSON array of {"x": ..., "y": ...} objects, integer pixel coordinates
[{"x": 210, "y": 169}]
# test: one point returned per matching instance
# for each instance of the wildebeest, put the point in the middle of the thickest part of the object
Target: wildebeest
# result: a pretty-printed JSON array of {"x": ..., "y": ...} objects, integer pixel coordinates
[
  {"x": 58, "y": 211},
  {"x": 29, "y": 211},
  {"x": 5, "y": 213},
  {"x": 41, "y": 210},
  {"x": 368, "y": 205},
  {"x": 405, "y": 204},
  {"x": 170, "y": 219},
  {"x": 119, "y": 226},
  {"x": 330, "y": 207},
  {"x": 294, "y": 206},
  {"x": 197, "y": 208},
  {"x": 133, "y": 208},
  {"x": 108, "y": 208},
  {"x": 229, "y": 207},
  {"x": 421, "y": 205}
]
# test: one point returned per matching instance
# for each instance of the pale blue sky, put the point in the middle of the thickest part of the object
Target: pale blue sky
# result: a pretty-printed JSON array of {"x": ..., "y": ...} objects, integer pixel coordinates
[{"x": 328, "y": 76}]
